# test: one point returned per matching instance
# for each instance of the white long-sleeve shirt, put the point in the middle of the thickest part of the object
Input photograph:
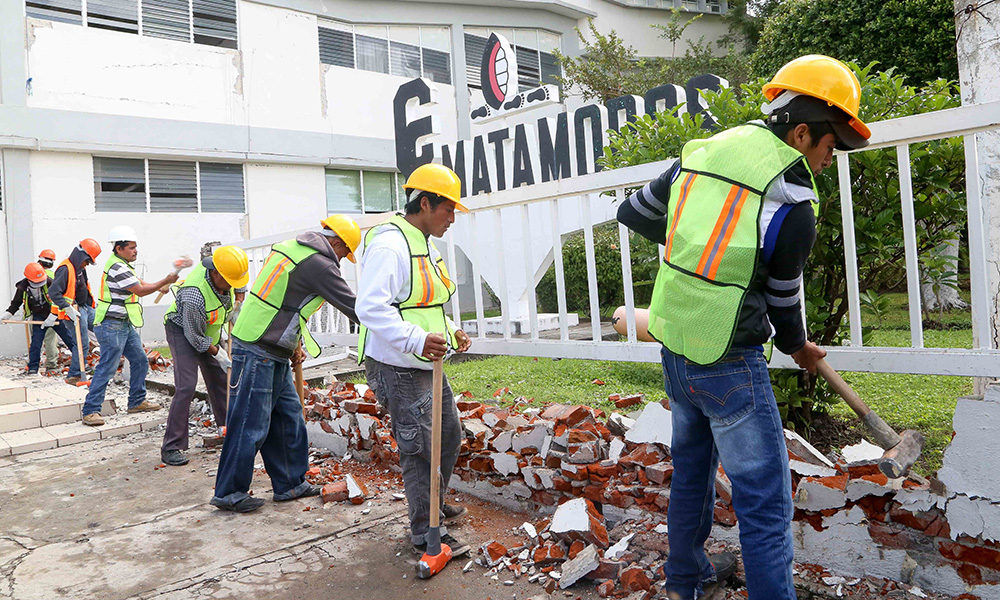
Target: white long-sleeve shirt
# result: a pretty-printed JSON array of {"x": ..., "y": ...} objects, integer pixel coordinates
[{"x": 385, "y": 280}]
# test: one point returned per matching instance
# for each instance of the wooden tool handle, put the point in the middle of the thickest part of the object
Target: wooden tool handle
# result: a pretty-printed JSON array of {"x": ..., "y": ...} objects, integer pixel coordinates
[
  {"x": 162, "y": 294},
  {"x": 842, "y": 387},
  {"x": 229, "y": 371},
  {"x": 16, "y": 322},
  {"x": 884, "y": 435},
  {"x": 300, "y": 384},
  {"x": 79, "y": 349},
  {"x": 438, "y": 393}
]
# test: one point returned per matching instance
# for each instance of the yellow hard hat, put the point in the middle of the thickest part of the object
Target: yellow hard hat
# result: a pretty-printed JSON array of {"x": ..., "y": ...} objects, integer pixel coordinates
[
  {"x": 825, "y": 78},
  {"x": 347, "y": 230},
  {"x": 437, "y": 179},
  {"x": 231, "y": 262}
]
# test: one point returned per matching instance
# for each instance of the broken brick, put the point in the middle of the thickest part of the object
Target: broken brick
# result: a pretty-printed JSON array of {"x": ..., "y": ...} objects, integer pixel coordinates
[
  {"x": 629, "y": 401},
  {"x": 659, "y": 473},
  {"x": 334, "y": 492},
  {"x": 634, "y": 579}
]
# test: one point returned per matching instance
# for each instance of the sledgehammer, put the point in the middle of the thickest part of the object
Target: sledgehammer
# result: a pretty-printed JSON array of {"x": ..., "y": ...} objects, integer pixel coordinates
[
  {"x": 437, "y": 555},
  {"x": 901, "y": 450}
]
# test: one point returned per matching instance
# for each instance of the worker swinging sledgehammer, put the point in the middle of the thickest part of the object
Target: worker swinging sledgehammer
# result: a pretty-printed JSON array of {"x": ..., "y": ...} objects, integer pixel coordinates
[
  {"x": 402, "y": 292},
  {"x": 194, "y": 325},
  {"x": 296, "y": 278},
  {"x": 118, "y": 318},
  {"x": 735, "y": 216}
]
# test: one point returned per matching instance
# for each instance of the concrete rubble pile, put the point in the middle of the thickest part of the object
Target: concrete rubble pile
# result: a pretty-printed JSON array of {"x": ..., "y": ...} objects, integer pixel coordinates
[{"x": 583, "y": 466}]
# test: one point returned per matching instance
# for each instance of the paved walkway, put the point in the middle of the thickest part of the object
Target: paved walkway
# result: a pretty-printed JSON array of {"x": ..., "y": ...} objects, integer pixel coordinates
[{"x": 101, "y": 519}]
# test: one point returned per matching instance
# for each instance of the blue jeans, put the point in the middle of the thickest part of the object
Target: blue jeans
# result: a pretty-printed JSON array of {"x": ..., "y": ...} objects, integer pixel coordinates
[
  {"x": 65, "y": 332},
  {"x": 87, "y": 316},
  {"x": 117, "y": 338},
  {"x": 727, "y": 412},
  {"x": 265, "y": 416}
]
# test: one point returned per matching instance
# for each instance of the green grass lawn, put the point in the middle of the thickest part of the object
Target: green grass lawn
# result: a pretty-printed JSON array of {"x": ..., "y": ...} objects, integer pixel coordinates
[{"x": 922, "y": 402}]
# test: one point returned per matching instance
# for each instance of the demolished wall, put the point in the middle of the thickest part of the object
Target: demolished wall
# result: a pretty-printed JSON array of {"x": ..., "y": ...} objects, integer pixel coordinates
[{"x": 942, "y": 535}]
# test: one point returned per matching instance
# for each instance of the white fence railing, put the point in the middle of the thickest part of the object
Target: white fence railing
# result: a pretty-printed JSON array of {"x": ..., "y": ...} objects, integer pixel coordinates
[{"x": 546, "y": 206}]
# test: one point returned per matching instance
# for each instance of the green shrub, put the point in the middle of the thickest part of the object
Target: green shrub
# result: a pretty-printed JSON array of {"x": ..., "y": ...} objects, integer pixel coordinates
[{"x": 608, "y": 263}]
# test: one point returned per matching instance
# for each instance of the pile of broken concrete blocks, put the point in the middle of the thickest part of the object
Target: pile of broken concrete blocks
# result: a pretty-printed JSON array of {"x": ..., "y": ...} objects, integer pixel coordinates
[{"x": 538, "y": 459}]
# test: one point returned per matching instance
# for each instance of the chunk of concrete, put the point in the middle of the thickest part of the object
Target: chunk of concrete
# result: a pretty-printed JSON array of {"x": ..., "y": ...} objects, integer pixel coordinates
[
  {"x": 582, "y": 447},
  {"x": 652, "y": 426},
  {"x": 871, "y": 485},
  {"x": 805, "y": 451},
  {"x": 821, "y": 493},
  {"x": 576, "y": 569},
  {"x": 615, "y": 449},
  {"x": 969, "y": 465},
  {"x": 505, "y": 463},
  {"x": 533, "y": 439},
  {"x": 501, "y": 443},
  {"x": 619, "y": 424},
  {"x": 863, "y": 452},
  {"x": 318, "y": 438},
  {"x": 810, "y": 470},
  {"x": 475, "y": 428},
  {"x": 356, "y": 490},
  {"x": 621, "y": 546},
  {"x": 578, "y": 519}
]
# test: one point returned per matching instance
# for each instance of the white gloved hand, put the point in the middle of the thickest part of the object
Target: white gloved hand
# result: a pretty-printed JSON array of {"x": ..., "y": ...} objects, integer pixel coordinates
[
  {"x": 72, "y": 313},
  {"x": 223, "y": 359},
  {"x": 6, "y": 315},
  {"x": 223, "y": 337},
  {"x": 49, "y": 322}
]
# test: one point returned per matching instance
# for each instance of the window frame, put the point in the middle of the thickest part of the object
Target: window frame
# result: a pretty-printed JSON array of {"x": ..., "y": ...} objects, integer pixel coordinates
[
  {"x": 396, "y": 204},
  {"x": 351, "y": 29},
  {"x": 140, "y": 30},
  {"x": 198, "y": 187}
]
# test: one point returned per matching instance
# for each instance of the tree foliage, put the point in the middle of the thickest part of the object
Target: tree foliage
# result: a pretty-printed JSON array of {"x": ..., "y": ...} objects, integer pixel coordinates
[
  {"x": 938, "y": 193},
  {"x": 917, "y": 37},
  {"x": 609, "y": 68}
]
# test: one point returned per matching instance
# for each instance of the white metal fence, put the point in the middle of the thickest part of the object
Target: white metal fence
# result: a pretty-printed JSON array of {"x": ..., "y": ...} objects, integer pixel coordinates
[{"x": 581, "y": 194}]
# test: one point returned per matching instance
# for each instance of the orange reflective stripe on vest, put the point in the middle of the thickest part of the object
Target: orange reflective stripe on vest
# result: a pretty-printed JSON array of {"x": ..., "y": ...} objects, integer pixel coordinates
[
  {"x": 685, "y": 188},
  {"x": 714, "y": 250}
]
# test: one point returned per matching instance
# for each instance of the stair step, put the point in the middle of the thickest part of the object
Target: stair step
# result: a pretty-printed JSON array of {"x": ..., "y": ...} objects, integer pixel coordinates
[{"x": 11, "y": 392}]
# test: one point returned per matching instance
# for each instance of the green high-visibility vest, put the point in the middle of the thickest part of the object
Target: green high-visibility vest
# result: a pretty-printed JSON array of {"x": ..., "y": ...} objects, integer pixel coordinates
[
  {"x": 51, "y": 274},
  {"x": 267, "y": 297},
  {"x": 430, "y": 286},
  {"x": 713, "y": 239},
  {"x": 216, "y": 312},
  {"x": 132, "y": 306}
]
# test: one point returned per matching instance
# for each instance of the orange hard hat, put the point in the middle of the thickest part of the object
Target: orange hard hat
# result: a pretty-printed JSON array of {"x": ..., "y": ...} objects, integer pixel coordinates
[
  {"x": 47, "y": 254},
  {"x": 91, "y": 247},
  {"x": 35, "y": 273}
]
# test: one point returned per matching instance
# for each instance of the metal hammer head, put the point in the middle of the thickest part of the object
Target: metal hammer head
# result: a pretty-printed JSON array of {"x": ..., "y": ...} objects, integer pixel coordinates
[
  {"x": 897, "y": 460},
  {"x": 431, "y": 564}
]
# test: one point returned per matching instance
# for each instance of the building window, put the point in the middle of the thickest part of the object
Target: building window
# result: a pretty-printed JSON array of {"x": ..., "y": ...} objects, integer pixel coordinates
[
  {"x": 120, "y": 184},
  {"x": 151, "y": 185},
  {"x": 349, "y": 191},
  {"x": 209, "y": 22},
  {"x": 534, "y": 49},
  {"x": 402, "y": 51}
]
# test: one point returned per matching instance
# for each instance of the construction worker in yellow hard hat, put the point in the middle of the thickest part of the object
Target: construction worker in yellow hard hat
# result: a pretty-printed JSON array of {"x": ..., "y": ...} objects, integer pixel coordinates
[
  {"x": 734, "y": 214},
  {"x": 402, "y": 294},
  {"x": 345, "y": 232},
  {"x": 194, "y": 325},
  {"x": 297, "y": 277}
]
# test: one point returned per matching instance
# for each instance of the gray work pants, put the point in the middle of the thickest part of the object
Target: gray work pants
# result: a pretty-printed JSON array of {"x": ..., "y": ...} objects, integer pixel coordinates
[
  {"x": 187, "y": 362},
  {"x": 407, "y": 393},
  {"x": 51, "y": 346}
]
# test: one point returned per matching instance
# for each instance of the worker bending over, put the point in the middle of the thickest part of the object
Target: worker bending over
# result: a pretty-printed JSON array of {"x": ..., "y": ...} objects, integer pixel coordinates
[
  {"x": 194, "y": 325},
  {"x": 735, "y": 216},
  {"x": 402, "y": 293},
  {"x": 118, "y": 316},
  {"x": 265, "y": 413},
  {"x": 69, "y": 292}
]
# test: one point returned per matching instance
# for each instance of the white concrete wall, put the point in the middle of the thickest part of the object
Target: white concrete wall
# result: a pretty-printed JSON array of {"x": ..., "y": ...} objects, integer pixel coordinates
[
  {"x": 283, "y": 198},
  {"x": 633, "y": 25},
  {"x": 95, "y": 70}
]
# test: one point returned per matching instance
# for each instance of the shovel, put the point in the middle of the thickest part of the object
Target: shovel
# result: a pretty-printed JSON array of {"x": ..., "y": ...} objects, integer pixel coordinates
[
  {"x": 437, "y": 554},
  {"x": 901, "y": 450}
]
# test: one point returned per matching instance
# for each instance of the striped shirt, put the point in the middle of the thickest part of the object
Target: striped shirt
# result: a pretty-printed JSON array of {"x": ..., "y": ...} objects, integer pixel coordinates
[{"x": 119, "y": 278}]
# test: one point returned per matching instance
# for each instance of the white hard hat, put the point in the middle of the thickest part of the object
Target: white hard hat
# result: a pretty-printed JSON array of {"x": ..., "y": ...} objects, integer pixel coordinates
[{"x": 122, "y": 233}]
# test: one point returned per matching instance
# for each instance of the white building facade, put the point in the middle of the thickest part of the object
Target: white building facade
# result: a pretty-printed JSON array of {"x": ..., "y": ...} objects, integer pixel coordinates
[{"x": 223, "y": 120}]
